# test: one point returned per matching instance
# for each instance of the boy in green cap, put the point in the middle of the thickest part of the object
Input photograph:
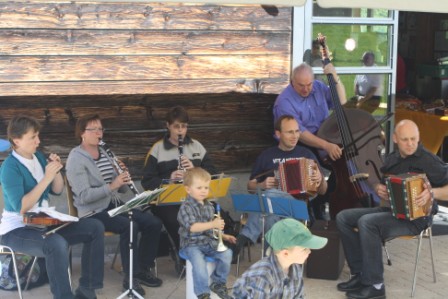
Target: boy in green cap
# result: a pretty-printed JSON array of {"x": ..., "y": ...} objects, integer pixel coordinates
[{"x": 279, "y": 276}]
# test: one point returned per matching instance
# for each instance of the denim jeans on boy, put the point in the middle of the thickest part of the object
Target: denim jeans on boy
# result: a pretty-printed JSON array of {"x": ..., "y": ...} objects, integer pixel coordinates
[
  {"x": 55, "y": 249},
  {"x": 196, "y": 255},
  {"x": 363, "y": 247},
  {"x": 253, "y": 227}
]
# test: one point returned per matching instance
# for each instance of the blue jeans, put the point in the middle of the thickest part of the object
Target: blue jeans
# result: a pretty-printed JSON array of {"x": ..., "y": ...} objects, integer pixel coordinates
[
  {"x": 196, "y": 255},
  {"x": 363, "y": 248},
  {"x": 55, "y": 249},
  {"x": 144, "y": 222},
  {"x": 253, "y": 227}
]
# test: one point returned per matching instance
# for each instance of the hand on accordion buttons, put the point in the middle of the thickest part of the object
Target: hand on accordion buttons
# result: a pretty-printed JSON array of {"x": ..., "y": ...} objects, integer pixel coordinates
[
  {"x": 381, "y": 190},
  {"x": 269, "y": 183},
  {"x": 423, "y": 197}
]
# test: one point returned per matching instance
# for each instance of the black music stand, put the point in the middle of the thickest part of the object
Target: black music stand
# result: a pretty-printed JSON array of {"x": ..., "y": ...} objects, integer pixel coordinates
[
  {"x": 270, "y": 205},
  {"x": 139, "y": 200}
]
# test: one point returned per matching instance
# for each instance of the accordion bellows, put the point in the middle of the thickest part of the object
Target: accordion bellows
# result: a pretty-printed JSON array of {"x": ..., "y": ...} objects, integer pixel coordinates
[
  {"x": 403, "y": 189},
  {"x": 295, "y": 177}
]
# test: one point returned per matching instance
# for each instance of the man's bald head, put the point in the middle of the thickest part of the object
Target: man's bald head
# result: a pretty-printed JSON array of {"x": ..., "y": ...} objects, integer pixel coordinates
[{"x": 407, "y": 137}]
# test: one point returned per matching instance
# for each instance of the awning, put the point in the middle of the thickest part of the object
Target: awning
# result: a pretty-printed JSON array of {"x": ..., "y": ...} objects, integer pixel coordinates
[{"x": 437, "y": 6}]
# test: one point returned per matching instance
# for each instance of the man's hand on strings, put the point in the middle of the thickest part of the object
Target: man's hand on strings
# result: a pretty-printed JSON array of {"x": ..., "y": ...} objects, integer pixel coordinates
[{"x": 333, "y": 150}]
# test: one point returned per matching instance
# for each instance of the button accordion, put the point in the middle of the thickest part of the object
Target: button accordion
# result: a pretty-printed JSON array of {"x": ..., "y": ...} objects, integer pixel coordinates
[
  {"x": 294, "y": 177},
  {"x": 403, "y": 189}
]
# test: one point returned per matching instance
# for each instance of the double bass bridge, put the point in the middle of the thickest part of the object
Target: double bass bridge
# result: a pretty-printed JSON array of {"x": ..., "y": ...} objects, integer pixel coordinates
[{"x": 358, "y": 177}]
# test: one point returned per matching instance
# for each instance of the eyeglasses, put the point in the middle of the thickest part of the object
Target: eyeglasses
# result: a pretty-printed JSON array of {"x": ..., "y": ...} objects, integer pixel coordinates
[
  {"x": 96, "y": 130},
  {"x": 179, "y": 126}
]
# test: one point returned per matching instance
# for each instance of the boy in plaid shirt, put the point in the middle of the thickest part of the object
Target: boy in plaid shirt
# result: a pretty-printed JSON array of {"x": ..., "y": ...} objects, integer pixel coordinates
[{"x": 196, "y": 236}]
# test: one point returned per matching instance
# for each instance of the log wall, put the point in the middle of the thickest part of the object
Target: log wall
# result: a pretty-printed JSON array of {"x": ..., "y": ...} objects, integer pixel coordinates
[{"x": 131, "y": 62}]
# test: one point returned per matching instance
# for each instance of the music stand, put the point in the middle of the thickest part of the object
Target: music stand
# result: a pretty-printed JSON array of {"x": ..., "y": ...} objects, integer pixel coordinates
[
  {"x": 175, "y": 191},
  {"x": 270, "y": 205},
  {"x": 139, "y": 200}
]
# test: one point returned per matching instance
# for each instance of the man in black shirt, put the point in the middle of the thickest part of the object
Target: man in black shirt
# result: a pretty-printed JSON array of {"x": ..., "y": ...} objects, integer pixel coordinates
[{"x": 363, "y": 245}]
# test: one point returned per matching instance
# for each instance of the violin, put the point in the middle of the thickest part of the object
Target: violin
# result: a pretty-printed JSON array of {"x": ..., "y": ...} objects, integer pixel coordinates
[{"x": 42, "y": 219}]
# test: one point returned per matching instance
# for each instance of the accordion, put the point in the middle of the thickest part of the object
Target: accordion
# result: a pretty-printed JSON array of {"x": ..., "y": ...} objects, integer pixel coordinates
[
  {"x": 294, "y": 177},
  {"x": 403, "y": 189}
]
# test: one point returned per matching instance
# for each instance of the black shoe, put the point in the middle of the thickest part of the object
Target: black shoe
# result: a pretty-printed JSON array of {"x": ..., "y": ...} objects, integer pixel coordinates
[
  {"x": 204, "y": 296},
  {"x": 220, "y": 289},
  {"x": 135, "y": 286},
  {"x": 353, "y": 284},
  {"x": 368, "y": 292},
  {"x": 241, "y": 241},
  {"x": 148, "y": 279}
]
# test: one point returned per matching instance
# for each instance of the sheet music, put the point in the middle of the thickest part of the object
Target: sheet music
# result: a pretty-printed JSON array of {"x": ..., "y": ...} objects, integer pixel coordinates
[
  {"x": 51, "y": 211},
  {"x": 139, "y": 200}
]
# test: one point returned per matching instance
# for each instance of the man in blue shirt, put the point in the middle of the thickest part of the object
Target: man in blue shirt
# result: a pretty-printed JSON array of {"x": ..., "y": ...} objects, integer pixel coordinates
[{"x": 309, "y": 101}]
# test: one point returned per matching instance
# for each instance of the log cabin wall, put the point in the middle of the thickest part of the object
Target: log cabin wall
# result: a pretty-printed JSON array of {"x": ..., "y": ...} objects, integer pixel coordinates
[{"x": 132, "y": 62}]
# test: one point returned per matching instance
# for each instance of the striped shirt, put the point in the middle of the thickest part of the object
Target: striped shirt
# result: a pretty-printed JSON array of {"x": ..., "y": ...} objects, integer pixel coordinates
[
  {"x": 266, "y": 280},
  {"x": 105, "y": 167}
]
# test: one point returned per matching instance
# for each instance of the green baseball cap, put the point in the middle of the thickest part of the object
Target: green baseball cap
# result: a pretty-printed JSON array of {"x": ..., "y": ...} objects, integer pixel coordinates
[{"x": 289, "y": 232}]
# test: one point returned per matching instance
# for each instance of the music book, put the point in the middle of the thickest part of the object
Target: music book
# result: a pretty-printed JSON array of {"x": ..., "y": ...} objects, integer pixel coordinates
[
  {"x": 139, "y": 200},
  {"x": 51, "y": 211},
  {"x": 175, "y": 191}
]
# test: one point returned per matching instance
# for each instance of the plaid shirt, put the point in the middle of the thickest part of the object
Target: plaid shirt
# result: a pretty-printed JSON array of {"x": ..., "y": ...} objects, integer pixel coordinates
[
  {"x": 266, "y": 280},
  {"x": 192, "y": 212}
]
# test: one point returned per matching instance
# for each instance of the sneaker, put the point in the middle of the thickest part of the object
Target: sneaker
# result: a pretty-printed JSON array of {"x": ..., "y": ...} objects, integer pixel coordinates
[
  {"x": 204, "y": 296},
  {"x": 148, "y": 279},
  {"x": 135, "y": 286},
  {"x": 220, "y": 289}
]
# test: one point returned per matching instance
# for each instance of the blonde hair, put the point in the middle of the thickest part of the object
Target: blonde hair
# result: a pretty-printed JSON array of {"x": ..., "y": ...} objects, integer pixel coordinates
[{"x": 196, "y": 173}]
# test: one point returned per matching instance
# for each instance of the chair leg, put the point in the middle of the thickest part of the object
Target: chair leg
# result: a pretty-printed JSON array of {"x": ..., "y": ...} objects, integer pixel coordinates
[
  {"x": 417, "y": 258},
  {"x": 156, "y": 271},
  {"x": 30, "y": 272},
  {"x": 115, "y": 256},
  {"x": 432, "y": 257},
  {"x": 389, "y": 261},
  {"x": 180, "y": 276},
  {"x": 16, "y": 272},
  {"x": 238, "y": 265}
]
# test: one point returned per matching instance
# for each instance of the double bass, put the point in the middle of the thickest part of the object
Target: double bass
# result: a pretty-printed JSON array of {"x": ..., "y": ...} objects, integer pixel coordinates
[{"x": 359, "y": 134}]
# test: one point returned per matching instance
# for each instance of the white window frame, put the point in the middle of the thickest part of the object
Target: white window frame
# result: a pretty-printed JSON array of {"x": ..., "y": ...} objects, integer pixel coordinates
[{"x": 303, "y": 21}]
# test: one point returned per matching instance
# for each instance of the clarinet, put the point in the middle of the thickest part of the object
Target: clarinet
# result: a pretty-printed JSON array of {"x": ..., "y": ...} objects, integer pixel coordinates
[
  {"x": 180, "y": 148},
  {"x": 120, "y": 170}
]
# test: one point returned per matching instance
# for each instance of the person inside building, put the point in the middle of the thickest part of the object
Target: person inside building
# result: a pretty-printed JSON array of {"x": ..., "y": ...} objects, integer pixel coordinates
[{"x": 369, "y": 88}]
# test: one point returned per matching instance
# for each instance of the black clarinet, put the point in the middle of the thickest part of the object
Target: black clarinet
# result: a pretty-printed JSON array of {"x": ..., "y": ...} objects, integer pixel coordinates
[
  {"x": 180, "y": 148},
  {"x": 120, "y": 170}
]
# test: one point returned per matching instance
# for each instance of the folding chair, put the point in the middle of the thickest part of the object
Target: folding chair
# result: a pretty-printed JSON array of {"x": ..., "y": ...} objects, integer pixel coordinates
[
  {"x": 8, "y": 250},
  {"x": 427, "y": 233}
]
